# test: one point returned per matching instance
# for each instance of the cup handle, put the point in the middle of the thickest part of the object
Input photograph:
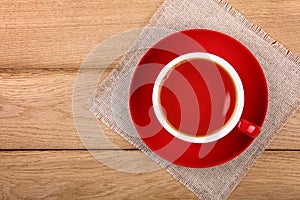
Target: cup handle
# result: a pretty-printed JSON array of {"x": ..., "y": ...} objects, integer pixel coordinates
[{"x": 248, "y": 128}]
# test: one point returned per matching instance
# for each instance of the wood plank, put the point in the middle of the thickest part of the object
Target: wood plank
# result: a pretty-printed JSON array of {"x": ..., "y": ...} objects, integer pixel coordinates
[
  {"x": 60, "y": 34},
  {"x": 36, "y": 113},
  {"x": 77, "y": 175}
]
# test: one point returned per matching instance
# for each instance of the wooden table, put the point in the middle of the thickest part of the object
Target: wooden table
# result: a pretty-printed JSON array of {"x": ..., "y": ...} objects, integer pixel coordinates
[{"x": 41, "y": 156}]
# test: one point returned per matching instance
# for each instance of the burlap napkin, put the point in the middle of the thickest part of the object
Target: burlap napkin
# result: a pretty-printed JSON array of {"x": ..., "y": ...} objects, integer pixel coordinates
[{"x": 281, "y": 67}]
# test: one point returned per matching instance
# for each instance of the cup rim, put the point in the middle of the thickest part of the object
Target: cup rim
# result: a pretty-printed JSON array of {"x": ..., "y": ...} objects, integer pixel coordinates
[{"x": 236, "y": 115}]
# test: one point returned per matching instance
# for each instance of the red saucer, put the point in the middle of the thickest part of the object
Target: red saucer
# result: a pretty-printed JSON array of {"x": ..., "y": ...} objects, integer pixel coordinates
[{"x": 164, "y": 144}]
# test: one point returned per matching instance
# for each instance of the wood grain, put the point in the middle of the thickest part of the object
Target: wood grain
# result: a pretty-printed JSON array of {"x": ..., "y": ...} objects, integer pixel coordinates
[
  {"x": 275, "y": 175},
  {"x": 43, "y": 43},
  {"x": 36, "y": 113},
  {"x": 77, "y": 175},
  {"x": 60, "y": 33}
]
